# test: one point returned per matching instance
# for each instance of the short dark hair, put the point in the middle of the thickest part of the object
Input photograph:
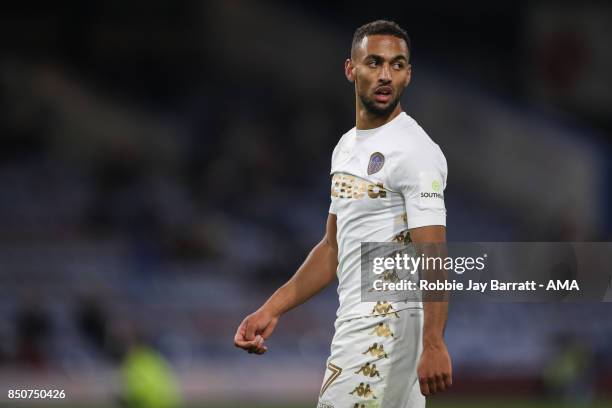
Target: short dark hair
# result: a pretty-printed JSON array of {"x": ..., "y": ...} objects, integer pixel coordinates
[{"x": 380, "y": 27}]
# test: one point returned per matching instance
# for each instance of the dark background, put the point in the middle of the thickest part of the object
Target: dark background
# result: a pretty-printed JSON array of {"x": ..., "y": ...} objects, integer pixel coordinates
[{"x": 164, "y": 166}]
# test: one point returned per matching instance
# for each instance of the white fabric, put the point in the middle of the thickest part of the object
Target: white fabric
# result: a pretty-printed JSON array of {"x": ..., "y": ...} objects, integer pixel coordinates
[
  {"x": 373, "y": 362},
  {"x": 406, "y": 192}
]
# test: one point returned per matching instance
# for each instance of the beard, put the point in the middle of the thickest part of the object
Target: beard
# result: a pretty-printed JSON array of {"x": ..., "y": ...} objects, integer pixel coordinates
[{"x": 372, "y": 107}]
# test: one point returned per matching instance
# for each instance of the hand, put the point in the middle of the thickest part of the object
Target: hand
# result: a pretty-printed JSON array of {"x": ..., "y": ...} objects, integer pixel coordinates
[
  {"x": 254, "y": 330},
  {"x": 434, "y": 369}
]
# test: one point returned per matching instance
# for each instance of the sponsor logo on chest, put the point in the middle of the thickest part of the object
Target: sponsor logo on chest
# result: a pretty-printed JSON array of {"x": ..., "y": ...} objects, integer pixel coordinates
[{"x": 347, "y": 186}]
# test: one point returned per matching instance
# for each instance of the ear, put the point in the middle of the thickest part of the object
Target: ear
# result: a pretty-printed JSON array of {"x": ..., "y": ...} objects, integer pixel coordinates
[
  {"x": 349, "y": 70},
  {"x": 409, "y": 76}
]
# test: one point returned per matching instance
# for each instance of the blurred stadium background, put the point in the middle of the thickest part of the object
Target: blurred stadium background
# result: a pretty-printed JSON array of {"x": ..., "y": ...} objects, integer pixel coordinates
[{"x": 164, "y": 166}]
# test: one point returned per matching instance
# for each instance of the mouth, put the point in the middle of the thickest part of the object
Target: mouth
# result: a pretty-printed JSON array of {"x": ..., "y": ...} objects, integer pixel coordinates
[{"x": 383, "y": 94}]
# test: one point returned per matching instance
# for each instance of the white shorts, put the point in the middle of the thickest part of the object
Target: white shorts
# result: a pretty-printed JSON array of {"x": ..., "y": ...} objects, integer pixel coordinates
[{"x": 373, "y": 362}]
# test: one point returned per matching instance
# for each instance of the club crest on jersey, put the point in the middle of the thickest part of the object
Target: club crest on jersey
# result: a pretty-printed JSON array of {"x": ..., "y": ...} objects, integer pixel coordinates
[{"x": 377, "y": 161}]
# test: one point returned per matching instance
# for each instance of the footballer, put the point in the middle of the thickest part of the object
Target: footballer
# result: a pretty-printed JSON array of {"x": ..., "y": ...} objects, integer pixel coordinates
[{"x": 387, "y": 179}]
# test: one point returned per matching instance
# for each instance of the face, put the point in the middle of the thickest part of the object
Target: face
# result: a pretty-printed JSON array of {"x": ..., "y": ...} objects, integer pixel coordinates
[{"x": 380, "y": 69}]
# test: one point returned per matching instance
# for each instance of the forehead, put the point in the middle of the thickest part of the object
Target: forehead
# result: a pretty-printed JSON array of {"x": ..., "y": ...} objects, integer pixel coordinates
[{"x": 383, "y": 45}]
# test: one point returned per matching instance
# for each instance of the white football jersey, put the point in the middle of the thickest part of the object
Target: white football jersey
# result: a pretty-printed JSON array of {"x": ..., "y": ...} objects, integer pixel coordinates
[{"x": 384, "y": 181}]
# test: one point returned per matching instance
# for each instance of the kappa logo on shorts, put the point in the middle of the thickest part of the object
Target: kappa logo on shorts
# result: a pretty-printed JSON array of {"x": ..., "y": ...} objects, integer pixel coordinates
[
  {"x": 364, "y": 391},
  {"x": 382, "y": 330},
  {"x": 368, "y": 370},
  {"x": 376, "y": 350},
  {"x": 383, "y": 309},
  {"x": 377, "y": 161}
]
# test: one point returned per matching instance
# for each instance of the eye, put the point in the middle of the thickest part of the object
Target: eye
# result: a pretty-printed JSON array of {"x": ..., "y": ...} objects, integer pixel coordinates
[
  {"x": 398, "y": 65},
  {"x": 372, "y": 64}
]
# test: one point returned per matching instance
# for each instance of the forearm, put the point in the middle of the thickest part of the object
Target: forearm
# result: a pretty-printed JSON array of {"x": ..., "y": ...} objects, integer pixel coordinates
[
  {"x": 436, "y": 302},
  {"x": 431, "y": 242},
  {"x": 435, "y": 314},
  {"x": 316, "y": 273},
  {"x": 435, "y": 368}
]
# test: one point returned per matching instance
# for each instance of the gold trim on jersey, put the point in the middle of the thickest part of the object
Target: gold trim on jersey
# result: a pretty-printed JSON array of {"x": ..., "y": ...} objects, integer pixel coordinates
[{"x": 404, "y": 236}]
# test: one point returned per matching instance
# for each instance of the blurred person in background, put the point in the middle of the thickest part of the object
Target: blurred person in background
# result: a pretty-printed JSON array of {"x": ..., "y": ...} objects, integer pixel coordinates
[
  {"x": 94, "y": 324},
  {"x": 387, "y": 182},
  {"x": 148, "y": 381},
  {"x": 569, "y": 374},
  {"x": 34, "y": 329}
]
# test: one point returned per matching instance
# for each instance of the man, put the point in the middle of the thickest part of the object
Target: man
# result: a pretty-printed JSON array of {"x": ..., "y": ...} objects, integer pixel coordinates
[{"x": 381, "y": 172}]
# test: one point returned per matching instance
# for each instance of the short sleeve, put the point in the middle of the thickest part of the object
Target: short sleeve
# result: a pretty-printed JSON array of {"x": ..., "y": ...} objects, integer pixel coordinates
[
  {"x": 332, "y": 206},
  {"x": 421, "y": 178}
]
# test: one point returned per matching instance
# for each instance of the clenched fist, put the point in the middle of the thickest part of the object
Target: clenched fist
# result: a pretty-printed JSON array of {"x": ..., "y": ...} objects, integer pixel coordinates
[
  {"x": 434, "y": 369},
  {"x": 254, "y": 330}
]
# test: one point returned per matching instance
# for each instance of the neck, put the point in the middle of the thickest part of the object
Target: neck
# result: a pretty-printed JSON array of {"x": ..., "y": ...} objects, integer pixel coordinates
[{"x": 367, "y": 120}]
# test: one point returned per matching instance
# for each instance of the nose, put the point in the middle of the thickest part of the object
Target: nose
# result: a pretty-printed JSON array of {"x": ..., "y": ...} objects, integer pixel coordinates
[{"x": 384, "y": 75}]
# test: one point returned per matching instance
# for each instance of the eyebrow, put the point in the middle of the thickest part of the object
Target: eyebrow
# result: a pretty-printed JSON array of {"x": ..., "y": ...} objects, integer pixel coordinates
[{"x": 378, "y": 57}]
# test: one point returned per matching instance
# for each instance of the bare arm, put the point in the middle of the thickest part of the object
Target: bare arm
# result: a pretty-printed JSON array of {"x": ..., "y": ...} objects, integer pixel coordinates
[
  {"x": 317, "y": 272},
  {"x": 434, "y": 369}
]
